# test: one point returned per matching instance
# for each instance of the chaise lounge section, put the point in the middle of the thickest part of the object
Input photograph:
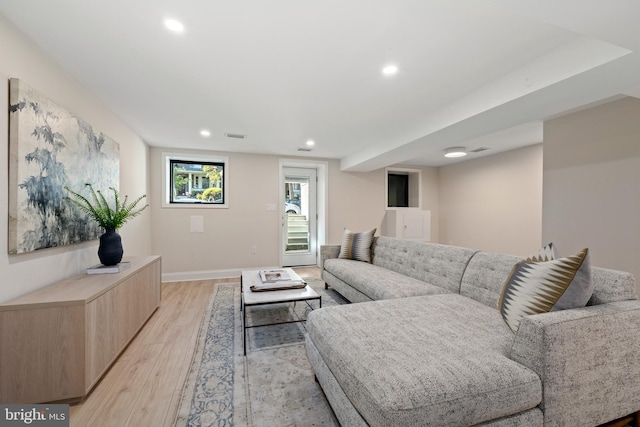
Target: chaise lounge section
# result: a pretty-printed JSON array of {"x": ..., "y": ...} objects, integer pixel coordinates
[{"x": 428, "y": 346}]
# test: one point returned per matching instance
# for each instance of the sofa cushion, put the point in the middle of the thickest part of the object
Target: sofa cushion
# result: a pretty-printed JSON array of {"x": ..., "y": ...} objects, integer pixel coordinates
[
  {"x": 485, "y": 275},
  {"x": 377, "y": 282},
  {"x": 539, "y": 287},
  {"x": 429, "y": 360},
  {"x": 356, "y": 246},
  {"x": 487, "y": 272},
  {"x": 611, "y": 286},
  {"x": 439, "y": 265}
]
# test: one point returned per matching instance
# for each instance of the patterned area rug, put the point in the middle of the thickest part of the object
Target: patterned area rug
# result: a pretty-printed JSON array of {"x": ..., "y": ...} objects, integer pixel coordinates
[{"x": 273, "y": 385}]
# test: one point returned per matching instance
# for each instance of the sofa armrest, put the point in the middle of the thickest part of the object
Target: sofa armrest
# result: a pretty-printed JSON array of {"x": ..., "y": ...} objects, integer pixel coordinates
[
  {"x": 328, "y": 252},
  {"x": 588, "y": 361}
]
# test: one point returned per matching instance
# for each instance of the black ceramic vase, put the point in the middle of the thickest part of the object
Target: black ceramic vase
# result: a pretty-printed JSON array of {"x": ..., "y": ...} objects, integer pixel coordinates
[{"x": 110, "y": 249}]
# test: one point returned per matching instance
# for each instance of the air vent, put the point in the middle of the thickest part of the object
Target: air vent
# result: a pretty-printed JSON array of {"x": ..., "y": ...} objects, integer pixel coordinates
[
  {"x": 304, "y": 149},
  {"x": 477, "y": 150},
  {"x": 235, "y": 135}
]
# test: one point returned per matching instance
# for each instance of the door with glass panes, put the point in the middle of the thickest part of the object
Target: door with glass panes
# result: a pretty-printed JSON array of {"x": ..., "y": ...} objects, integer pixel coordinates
[{"x": 299, "y": 219}]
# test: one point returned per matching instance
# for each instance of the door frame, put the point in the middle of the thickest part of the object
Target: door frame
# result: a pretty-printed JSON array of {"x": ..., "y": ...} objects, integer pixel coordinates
[{"x": 321, "y": 202}]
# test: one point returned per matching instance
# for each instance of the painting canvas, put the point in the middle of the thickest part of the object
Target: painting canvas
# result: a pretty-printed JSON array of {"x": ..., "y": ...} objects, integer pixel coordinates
[{"x": 50, "y": 148}]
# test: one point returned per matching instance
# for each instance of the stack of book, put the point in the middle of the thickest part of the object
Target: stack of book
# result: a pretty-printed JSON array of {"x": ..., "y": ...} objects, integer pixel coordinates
[
  {"x": 273, "y": 280},
  {"x": 271, "y": 276}
]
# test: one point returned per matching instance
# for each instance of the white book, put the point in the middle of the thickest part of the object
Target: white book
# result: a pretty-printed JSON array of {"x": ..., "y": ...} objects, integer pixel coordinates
[
  {"x": 271, "y": 276},
  {"x": 274, "y": 286},
  {"x": 104, "y": 269}
]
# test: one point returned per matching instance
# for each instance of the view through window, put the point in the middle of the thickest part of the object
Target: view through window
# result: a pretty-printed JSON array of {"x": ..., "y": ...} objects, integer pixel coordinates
[{"x": 199, "y": 182}]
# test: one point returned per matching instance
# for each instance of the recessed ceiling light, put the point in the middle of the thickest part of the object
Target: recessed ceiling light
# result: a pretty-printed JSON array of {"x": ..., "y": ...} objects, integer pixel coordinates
[
  {"x": 205, "y": 132},
  {"x": 310, "y": 143},
  {"x": 390, "y": 70},
  {"x": 455, "y": 152},
  {"x": 173, "y": 25}
]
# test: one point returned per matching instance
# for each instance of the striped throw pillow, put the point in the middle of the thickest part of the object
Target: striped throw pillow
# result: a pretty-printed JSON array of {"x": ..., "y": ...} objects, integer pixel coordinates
[
  {"x": 356, "y": 246},
  {"x": 535, "y": 286}
]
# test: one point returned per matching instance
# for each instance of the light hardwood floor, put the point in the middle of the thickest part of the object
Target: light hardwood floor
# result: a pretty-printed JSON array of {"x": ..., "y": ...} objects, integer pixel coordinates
[{"x": 144, "y": 385}]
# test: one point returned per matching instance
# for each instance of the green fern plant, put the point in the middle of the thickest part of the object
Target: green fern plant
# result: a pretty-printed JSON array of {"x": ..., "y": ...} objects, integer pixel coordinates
[{"x": 99, "y": 210}]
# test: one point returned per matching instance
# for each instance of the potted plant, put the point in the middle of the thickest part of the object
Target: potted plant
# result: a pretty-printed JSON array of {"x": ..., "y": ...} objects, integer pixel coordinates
[{"x": 111, "y": 219}]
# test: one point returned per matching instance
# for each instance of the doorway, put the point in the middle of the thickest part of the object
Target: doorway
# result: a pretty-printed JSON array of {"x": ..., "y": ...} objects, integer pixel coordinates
[{"x": 299, "y": 219}]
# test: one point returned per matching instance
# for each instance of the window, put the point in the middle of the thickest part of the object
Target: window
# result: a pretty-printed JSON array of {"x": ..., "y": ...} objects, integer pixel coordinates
[
  {"x": 398, "y": 195},
  {"x": 403, "y": 188},
  {"x": 195, "y": 181}
]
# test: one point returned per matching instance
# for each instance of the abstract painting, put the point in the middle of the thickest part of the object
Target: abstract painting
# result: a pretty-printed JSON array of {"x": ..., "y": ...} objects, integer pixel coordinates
[{"x": 51, "y": 148}]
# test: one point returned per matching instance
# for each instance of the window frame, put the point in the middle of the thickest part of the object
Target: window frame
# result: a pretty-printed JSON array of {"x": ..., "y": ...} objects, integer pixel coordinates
[{"x": 167, "y": 179}]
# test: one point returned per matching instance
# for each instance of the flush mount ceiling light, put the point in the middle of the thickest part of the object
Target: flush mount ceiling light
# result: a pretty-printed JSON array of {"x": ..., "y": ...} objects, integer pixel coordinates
[
  {"x": 310, "y": 143},
  {"x": 205, "y": 133},
  {"x": 173, "y": 25},
  {"x": 390, "y": 70},
  {"x": 455, "y": 152}
]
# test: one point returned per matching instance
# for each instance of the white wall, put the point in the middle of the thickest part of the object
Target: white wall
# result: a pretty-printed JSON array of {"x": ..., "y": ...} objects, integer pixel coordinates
[
  {"x": 592, "y": 184},
  {"x": 493, "y": 203},
  {"x": 228, "y": 233},
  {"x": 355, "y": 200},
  {"x": 19, "y": 274},
  {"x": 431, "y": 199}
]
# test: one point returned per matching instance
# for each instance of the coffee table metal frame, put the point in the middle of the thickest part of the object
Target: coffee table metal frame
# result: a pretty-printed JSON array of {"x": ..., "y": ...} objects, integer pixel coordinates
[{"x": 250, "y": 299}]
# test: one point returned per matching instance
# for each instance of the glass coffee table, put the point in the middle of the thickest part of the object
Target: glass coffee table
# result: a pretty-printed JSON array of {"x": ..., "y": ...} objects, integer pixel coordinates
[{"x": 252, "y": 298}]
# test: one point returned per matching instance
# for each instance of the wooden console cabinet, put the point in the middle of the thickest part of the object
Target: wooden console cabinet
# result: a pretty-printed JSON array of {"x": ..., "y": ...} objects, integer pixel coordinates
[{"x": 58, "y": 341}]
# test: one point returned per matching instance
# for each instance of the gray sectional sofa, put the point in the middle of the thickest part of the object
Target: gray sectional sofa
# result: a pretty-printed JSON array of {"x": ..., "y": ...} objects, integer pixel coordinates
[{"x": 428, "y": 346}]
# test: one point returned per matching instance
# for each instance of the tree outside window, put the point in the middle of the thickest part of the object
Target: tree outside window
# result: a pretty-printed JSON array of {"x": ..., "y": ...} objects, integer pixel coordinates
[{"x": 198, "y": 182}]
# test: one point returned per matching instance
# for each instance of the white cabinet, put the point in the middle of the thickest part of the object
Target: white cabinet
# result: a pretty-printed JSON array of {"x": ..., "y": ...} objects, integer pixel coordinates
[{"x": 410, "y": 224}]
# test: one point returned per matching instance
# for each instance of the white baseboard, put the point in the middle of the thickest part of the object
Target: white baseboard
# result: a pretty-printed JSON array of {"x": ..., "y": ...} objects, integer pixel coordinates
[{"x": 185, "y": 276}]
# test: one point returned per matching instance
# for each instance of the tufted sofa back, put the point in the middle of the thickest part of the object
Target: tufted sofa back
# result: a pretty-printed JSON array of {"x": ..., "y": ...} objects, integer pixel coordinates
[
  {"x": 439, "y": 265},
  {"x": 478, "y": 275},
  {"x": 485, "y": 276},
  {"x": 486, "y": 273}
]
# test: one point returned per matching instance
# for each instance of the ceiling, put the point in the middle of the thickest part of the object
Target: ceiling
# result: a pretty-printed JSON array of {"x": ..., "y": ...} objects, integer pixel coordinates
[{"x": 473, "y": 73}]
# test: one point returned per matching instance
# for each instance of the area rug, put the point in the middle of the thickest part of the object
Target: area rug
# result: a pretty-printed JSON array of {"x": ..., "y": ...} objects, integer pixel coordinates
[{"x": 273, "y": 385}]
